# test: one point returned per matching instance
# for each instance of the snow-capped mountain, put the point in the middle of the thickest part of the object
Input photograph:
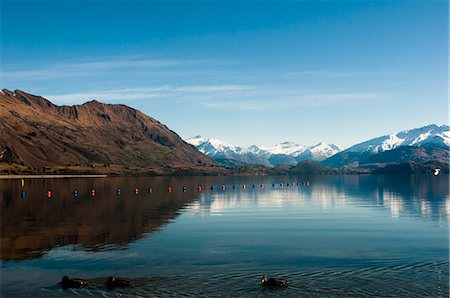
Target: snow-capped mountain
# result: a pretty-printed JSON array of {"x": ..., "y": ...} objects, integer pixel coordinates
[
  {"x": 212, "y": 147},
  {"x": 283, "y": 153},
  {"x": 319, "y": 152},
  {"x": 423, "y": 136},
  {"x": 226, "y": 153},
  {"x": 286, "y": 148},
  {"x": 424, "y": 144}
]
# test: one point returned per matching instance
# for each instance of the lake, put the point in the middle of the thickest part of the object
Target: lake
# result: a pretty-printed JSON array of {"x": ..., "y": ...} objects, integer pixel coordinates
[{"x": 335, "y": 236}]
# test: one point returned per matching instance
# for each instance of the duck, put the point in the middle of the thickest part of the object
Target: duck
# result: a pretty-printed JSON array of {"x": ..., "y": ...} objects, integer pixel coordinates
[
  {"x": 78, "y": 283},
  {"x": 114, "y": 282},
  {"x": 273, "y": 282}
]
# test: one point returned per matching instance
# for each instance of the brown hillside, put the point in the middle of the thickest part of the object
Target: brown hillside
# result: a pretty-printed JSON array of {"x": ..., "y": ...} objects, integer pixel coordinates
[{"x": 37, "y": 133}]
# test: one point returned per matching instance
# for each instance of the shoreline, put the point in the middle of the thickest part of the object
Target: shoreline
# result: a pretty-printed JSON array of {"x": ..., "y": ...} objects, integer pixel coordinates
[{"x": 5, "y": 177}]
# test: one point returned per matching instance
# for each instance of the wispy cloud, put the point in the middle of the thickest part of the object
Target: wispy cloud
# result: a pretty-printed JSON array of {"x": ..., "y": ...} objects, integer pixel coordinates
[
  {"x": 197, "y": 92},
  {"x": 222, "y": 97},
  {"x": 94, "y": 68},
  {"x": 321, "y": 73},
  {"x": 292, "y": 101}
]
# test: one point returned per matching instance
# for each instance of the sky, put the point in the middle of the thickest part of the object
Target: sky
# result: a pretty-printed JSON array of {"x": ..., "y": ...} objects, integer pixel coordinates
[{"x": 255, "y": 72}]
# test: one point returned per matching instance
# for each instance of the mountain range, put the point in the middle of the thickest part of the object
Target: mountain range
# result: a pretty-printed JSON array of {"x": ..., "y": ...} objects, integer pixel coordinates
[
  {"x": 415, "y": 150},
  {"x": 425, "y": 144},
  {"x": 284, "y": 153}
]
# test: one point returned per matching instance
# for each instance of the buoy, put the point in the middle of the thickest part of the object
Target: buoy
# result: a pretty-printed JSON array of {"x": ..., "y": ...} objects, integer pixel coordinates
[
  {"x": 281, "y": 184},
  {"x": 169, "y": 189},
  {"x": 273, "y": 184},
  {"x": 75, "y": 193},
  {"x": 244, "y": 186},
  {"x": 212, "y": 187},
  {"x": 223, "y": 187},
  {"x": 23, "y": 182},
  {"x": 118, "y": 191},
  {"x": 199, "y": 188},
  {"x": 92, "y": 192},
  {"x": 184, "y": 188},
  {"x": 297, "y": 183},
  {"x": 234, "y": 186},
  {"x": 253, "y": 186},
  {"x": 262, "y": 185},
  {"x": 149, "y": 190},
  {"x": 287, "y": 184},
  {"x": 23, "y": 194},
  {"x": 49, "y": 194},
  {"x": 136, "y": 191}
]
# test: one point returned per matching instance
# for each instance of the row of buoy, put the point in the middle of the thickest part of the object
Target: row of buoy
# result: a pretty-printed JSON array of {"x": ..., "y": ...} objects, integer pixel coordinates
[{"x": 75, "y": 193}]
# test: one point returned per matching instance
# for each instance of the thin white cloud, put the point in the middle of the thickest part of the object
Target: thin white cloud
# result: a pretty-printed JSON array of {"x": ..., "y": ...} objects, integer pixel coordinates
[
  {"x": 191, "y": 92},
  {"x": 322, "y": 73},
  {"x": 94, "y": 68},
  {"x": 289, "y": 101},
  {"x": 222, "y": 97}
]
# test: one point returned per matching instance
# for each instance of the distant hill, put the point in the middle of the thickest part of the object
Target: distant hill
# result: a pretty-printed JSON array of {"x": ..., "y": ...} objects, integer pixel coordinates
[
  {"x": 309, "y": 167},
  {"x": 412, "y": 167},
  {"x": 38, "y": 134}
]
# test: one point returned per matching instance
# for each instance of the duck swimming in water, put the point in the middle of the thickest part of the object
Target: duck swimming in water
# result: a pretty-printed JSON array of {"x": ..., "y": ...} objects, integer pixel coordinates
[
  {"x": 273, "y": 282},
  {"x": 114, "y": 282},
  {"x": 77, "y": 283}
]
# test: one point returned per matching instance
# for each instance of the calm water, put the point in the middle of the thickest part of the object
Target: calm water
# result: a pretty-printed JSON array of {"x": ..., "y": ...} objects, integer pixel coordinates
[{"x": 340, "y": 236}]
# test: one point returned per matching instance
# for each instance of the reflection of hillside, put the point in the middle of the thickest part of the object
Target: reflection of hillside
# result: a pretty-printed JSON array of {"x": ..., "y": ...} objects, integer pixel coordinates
[
  {"x": 33, "y": 225},
  {"x": 424, "y": 196}
]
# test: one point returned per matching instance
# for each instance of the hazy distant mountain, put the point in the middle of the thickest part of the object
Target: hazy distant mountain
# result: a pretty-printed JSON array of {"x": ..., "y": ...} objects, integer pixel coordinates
[
  {"x": 424, "y": 144},
  {"x": 319, "y": 152},
  {"x": 283, "y": 153},
  {"x": 36, "y": 133},
  {"x": 227, "y": 154}
]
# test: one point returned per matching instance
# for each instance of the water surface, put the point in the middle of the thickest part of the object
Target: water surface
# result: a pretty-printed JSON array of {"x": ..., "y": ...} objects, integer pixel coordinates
[{"x": 338, "y": 236}]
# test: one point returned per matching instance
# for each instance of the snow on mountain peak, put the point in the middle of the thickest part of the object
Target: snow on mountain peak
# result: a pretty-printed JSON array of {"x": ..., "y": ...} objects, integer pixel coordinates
[
  {"x": 218, "y": 149},
  {"x": 430, "y": 134}
]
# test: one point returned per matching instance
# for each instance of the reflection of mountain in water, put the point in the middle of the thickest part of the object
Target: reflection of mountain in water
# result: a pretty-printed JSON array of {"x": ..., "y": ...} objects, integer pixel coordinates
[
  {"x": 36, "y": 224},
  {"x": 425, "y": 196},
  {"x": 33, "y": 225}
]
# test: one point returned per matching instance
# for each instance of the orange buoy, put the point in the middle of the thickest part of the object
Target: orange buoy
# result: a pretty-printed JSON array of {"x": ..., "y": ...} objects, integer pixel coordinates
[
  {"x": 49, "y": 194},
  {"x": 92, "y": 192},
  {"x": 199, "y": 188},
  {"x": 136, "y": 191},
  {"x": 244, "y": 186},
  {"x": 223, "y": 187},
  {"x": 169, "y": 189},
  {"x": 262, "y": 185}
]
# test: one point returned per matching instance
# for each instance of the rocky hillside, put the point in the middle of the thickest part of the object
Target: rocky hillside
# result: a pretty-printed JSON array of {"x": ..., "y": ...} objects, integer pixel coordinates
[{"x": 38, "y": 134}]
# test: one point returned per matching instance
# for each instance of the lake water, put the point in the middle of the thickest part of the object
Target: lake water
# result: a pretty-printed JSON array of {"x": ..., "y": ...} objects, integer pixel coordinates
[{"x": 338, "y": 236}]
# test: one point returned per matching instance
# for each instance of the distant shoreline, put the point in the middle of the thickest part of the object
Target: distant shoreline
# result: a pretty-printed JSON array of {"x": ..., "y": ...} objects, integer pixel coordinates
[{"x": 4, "y": 177}]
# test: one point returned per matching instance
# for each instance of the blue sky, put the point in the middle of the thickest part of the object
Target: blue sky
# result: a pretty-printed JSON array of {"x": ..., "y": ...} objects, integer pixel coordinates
[{"x": 244, "y": 72}]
